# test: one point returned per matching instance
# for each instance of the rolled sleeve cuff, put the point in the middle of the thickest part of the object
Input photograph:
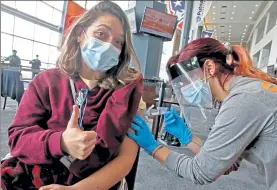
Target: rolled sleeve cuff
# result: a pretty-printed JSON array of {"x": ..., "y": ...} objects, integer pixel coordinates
[
  {"x": 54, "y": 144},
  {"x": 171, "y": 160}
]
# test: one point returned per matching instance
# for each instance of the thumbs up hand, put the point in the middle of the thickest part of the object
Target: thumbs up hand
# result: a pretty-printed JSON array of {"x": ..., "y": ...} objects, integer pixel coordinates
[{"x": 75, "y": 142}]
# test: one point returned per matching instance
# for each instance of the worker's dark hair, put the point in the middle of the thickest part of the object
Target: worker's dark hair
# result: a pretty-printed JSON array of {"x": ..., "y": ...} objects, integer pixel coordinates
[
  {"x": 14, "y": 51},
  {"x": 36, "y": 55},
  {"x": 209, "y": 48}
]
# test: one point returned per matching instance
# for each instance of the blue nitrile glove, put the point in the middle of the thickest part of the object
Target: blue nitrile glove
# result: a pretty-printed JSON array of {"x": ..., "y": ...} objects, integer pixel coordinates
[
  {"x": 176, "y": 126},
  {"x": 143, "y": 135}
]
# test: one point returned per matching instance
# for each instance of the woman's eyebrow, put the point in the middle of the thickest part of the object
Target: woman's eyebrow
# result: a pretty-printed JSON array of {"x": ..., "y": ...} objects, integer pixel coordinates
[{"x": 110, "y": 29}]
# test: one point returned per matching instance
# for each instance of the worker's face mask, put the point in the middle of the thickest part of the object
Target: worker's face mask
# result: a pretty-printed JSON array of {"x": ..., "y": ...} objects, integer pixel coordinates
[
  {"x": 98, "y": 55},
  {"x": 198, "y": 92}
]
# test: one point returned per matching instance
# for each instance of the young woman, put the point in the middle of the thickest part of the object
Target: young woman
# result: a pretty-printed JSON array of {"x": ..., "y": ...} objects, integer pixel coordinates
[
  {"x": 54, "y": 142},
  {"x": 245, "y": 127}
]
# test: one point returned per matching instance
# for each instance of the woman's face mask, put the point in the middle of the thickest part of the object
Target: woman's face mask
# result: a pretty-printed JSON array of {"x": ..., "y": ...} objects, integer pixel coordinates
[{"x": 98, "y": 55}]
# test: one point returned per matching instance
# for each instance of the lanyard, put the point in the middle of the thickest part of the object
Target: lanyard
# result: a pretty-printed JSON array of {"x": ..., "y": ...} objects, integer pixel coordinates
[{"x": 79, "y": 99}]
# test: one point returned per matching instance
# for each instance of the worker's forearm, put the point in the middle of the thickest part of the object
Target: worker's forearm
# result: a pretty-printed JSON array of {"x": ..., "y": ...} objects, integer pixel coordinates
[
  {"x": 195, "y": 144},
  {"x": 162, "y": 154}
]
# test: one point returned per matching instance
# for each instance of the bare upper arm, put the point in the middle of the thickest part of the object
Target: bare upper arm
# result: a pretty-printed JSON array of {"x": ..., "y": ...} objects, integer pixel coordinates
[{"x": 129, "y": 149}]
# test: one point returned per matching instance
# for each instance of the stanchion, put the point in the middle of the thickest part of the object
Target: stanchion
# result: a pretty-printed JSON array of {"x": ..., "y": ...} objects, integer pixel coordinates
[{"x": 160, "y": 104}]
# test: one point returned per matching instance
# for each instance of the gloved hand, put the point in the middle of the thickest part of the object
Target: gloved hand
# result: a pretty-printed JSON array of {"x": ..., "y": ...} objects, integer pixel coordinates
[
  {"x": 176, "y": 126},
  {"x": 143, "y": 135}
]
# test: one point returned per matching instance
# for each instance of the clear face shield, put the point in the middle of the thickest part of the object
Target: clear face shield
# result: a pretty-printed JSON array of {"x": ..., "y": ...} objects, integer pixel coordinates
[{"x": 192, "y": 91}]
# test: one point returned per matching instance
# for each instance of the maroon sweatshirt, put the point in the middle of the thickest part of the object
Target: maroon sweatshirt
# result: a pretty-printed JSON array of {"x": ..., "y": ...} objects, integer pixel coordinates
[{"x": 42, "y": 116}]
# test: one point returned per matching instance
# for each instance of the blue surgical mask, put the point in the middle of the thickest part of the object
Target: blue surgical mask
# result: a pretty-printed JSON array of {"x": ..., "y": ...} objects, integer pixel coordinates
[
  {"x": 100, "y": 56},
  {"x": 198, "y": 93}
]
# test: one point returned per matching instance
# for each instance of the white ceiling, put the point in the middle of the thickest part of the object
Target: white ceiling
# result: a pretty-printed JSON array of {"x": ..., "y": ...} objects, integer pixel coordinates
[{"x": 233, "y": 20}]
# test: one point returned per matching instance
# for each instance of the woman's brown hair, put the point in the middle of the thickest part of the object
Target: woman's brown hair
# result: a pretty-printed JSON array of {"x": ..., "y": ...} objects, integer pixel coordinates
[
  {"x": 209, "y": 48},
  {"x": 70, "y": 59}
]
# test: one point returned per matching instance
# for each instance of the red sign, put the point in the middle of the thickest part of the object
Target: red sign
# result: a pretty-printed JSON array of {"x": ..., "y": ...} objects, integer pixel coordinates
[
  {"x": 73, "y": 12},
  {"x": 158, "y": 23}
]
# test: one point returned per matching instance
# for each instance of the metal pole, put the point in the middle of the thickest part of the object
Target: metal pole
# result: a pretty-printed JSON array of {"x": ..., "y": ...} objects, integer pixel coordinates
[
  {"x": 160, "y": 103},
  {"x": 188, "y": 6}
]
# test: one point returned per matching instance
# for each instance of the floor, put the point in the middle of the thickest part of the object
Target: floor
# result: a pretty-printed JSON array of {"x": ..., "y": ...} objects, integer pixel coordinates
[{"x": 152, "y": 175}]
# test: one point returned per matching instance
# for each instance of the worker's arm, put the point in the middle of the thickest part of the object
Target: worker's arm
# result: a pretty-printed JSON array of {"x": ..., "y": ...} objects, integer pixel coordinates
[
  {"x": 236, "y": 126},
  {"x": 113, "y": 172}
]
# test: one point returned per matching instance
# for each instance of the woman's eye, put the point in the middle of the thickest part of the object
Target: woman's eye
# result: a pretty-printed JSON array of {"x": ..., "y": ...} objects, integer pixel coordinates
[
  {"x": 119, "y": 43},
  {"x": 99, "y": 33}
]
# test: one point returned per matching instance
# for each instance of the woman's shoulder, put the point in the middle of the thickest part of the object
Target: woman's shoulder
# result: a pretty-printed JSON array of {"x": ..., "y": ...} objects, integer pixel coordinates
[
  {"x": 50, "y": 77},
  {"x": 135, "y": 81}
]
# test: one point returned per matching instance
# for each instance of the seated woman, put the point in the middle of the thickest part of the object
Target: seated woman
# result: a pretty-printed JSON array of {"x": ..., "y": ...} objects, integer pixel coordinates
[{"x": 53, "y": 141}]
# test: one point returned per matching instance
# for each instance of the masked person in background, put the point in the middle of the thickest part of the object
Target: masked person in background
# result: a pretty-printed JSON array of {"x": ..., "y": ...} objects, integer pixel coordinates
[
  {"x": 246, "y": 124},
  {"x": 81, "y": 146}
]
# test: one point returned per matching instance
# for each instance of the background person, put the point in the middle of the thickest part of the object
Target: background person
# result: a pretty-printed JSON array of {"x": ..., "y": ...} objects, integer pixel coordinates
[
  {"x": 245, "y": 127},
  {"x": 36, "y": 63},
  {"x": 13, "y": 59}
]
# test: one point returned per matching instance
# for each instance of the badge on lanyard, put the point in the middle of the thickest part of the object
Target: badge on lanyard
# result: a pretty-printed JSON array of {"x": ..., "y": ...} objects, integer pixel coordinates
[{"x": 80, "y": 100}]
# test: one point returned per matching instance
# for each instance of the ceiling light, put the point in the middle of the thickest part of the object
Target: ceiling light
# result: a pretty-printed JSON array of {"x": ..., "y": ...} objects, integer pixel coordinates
[
  {"x": 214, "y": 26},
  {"x": 253, "y": 12},
  {"x": 244, "y": 30},
  {"x": 230, "y": 26},
  {"x": 213, "y": 18},
  {"x": 229, "y": 33},
  {"x": 213, "y": 13},
  {"x": 243, "y": 33},
  {"x": 235, "y": 6},
  {"x": 213, "y": 7},
  {"x": 233, "y": 12},
  {"x": 250, "y": 17},
  {"x": 231, "y": 18},
  {"x": 246, "y": 26},
  {"x": 256, "y": 5}
]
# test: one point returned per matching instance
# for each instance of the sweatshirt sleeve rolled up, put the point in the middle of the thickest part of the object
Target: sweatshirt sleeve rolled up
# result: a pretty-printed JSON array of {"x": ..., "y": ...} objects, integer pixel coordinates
[{"x": 112, "y": 126}]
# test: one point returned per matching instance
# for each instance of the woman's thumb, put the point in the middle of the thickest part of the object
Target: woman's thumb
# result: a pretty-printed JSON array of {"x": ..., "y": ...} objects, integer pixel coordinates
[{"x": 73, "y": 122}]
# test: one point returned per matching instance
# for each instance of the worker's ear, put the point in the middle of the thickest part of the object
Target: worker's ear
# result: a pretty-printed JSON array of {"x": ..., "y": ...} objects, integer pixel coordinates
[{"x": 209, "y": 68}]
